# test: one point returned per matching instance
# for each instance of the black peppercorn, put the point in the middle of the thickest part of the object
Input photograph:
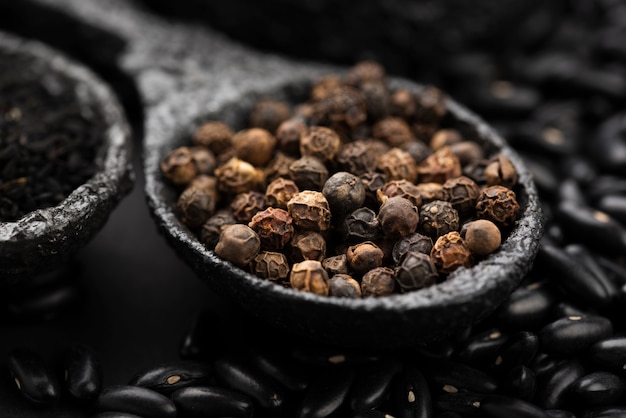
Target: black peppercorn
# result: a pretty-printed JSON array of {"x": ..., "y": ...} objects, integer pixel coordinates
[
  {"x": 500, "y": 171},
  {"x": 254, "y": 145},
  {"x": 416, "y": 271},
  {"x": 308, "y": 172},
  {"x": 309, "y": 276},
  {"x": 337, "y": 264},
  {"x": 274, "y": 227},
  {"x": 450, "y": 253},
  {"x": 397, "y": 165},
  {"x": 415, "y": 242},
  {"x": 288, "y": 136},
  {"x": 445, "y": 137},
  {"x": 279, "y": 192},
  {"x": 268, "y": 114},
  {"x": 344, "y": 192},
  {"x": 364, "y": 256},
  {"x": 344, "y": 286},
  {"x": 462, "y": 194},
  {"x": 365, "y": 71},
  {"x": 372, "y": 182},
  {"x": 357, "y": 157},
  {"x": 438, "y": 218},
  {"x": 403, "y": 104},
  {"x": 482, "y": 237},
  {"x": 497, "y": 204},
  {"x": 245, "y": 205},
  {"x": 237, "y": 176},
  {"x": 394, "y": 131},
  {"x": 270, "y": 265},
  {"x": 197, "y": 204},
  {"x": 402, "y": 188},
  {"x": 432, "y": 191},
  {"x": 343, "y": 110},
  {"x": 398, "y": 217},
  {"x": 203, "y": 159},
  {"x": 361, "y": 225},
  {"x": 378, "y": 282},
  {"x": 214, "y": 135},
  {"x": 310, "y": 210},
  {"x": 238, "y": 244},
  {"x": 377, "y": 99},
  {"x": 212, "y": 228},
  {"x": 320, "y": 142},
  {"x": 278, "y": 167},
  {"x": 307, "y": 245},
  {"x": 439, "y": 167},
  {"x": 178, "y": 166}
]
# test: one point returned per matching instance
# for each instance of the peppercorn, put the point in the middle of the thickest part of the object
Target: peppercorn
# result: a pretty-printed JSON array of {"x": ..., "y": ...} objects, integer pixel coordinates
[
  {"x": 467, "y": 152},
  {"x": 432, "y": 191},
  {"x": 418, "y": 150},
  {"x": 439, "y": 167},
  {"x": 430, "y": 106},
  {"x": 309, "y": 210},
  {"x": 377, "y": 99},
  {"x": 476, "y": 171},
  {"x": 273, "y": 226},
  {"x": 343, "y": 111},
  {"x": 279, "y": 192},
  {"x": 365, "y": 71},
  {"x": 337, "y": 264},
  {"x": 501, "y": 171},
  {"x": 238, "y": 176},
  {"x": 361, "y": 225},
  {"x": 482, "y": 237},
  {"x": 307, "y": 245},
  {"x": 178, "y": 166},
  {"x": 401, "y": 188},
  {"x": 196, "y": 205},
  {"x": 208, "y": 183},
  {"x": 214, "y": 135},
  {"x": 344, "y": 286},
  {"x": 450, "y": 252},
  {"x": 270, "y": 265},
  {"x": 254, "y": 145},
  {"x": 462, "y": 194},
  {"x": 325, "y": 86},
  {"x": 497, "y": 204},
  {"x": 320, "y": 142},
  {"x": 203, "y": 159},
  {"x": 398, "y": 217},
  {"x": 278, "y": 167},
  {"x": 394, "y": 131},
  {"x": 372, "y": 182},
  {"x": 397, "y": 165},
  {"x": 415, "y": 242},
  {"x": 356, "y": 157},
  {"x": 238, "y": 244},
  {"x": 245, "y": 205},
  {"x": 437, "y": 218},
  {"x": 445, "y": 137},
  {"x": 344, "y": 192},
  {"x": 309, "y": 276},
  {"x": 268, "y": 114},
  {"x": 403, "y": 104},
  {"x": 288, "y": 136},
  {"x": 308, "y": 172},
  {"x": 417, "y": 271},
  {"x": 364, "y": 256},
  {"x": 378, "y": 282},
  {"x": 212, "y": 228}
]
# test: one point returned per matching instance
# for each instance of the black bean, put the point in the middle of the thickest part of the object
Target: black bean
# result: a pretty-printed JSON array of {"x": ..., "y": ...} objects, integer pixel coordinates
[
  {"x": 482, "y": 349},
  {"x": 565, "y": 309},
  {"x": 552, "y": 388},
  {"x": 519, "y": 350},
  {"x": 209, "y": 401},
  {"x": 326, "y": 393},
  {"x": 410, "y": 395},
  {"x": 527, "y": 307},
  {"x": 83, "y": 372},
  {"x": 441, "y": 349},
  {"x": 616, "y": 272},
  {"x": 614, "y": 205},
  {"x": 609, "y": 150},
  {"x": 570, "y": 191},
  {"x": 443, "y": 374},
  {"x": 33, "y": 377},
  {"x": 370, "y": 414},
  {"x": 579, "y": 169},
  {"x": 609, "y": 353},
  {"x": 598, "y": 389},
  {"x": 589, "y": 261},
  {"x": 292, "y": 375},
  {"x": 605, "y": 185},
  {"x": 559, "y": 413},
  {"x": 110, "y": 414},
  {"x": 543, "y": 364},
  {"x": 574, "y": 334},
  {"x": 167, "y": 378},
  {"x": 543, "y": 173},
  {"x": 463, "y": 402},
  {"x": 371, "y": 385},
  {"x": 520, "y": 382},
  {"x": 606, "y": 412},
  {"x": 237, "y": 375},
  {"x": 136, "y": 400},
  {"x": 494, "y": 406}
]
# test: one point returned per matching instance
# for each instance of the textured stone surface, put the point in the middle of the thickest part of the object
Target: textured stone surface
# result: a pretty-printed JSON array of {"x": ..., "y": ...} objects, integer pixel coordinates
[{"x": 44, "y": 239}]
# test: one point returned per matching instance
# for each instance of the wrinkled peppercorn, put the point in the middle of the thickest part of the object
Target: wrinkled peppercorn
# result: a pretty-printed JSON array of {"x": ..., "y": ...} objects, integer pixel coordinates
[
  {"x": 361, "y": 225},
  {"x": 344, "y": 192},
  {"x": 274, "y": 227},
  {"x": 378, "y": 282},
  {"x": 254, "y": 145},
  {"x": 212, "y": 228},
  {"x": 178, "y": 166},
  {"x": 500, "y": 171},
  {"x": 445, "y": 137},
  {"x": 309, "y": 210},
  {"x": 288, "y": 136},
  {"x": 278, "y": 167},
  {"x": 439, "y": 167},
  {"x": 357, "y": 157},
  {"x": 237, "y": 176},
  {"x": 268, "y": 114},
  {"x": 196, "y": 205},
  {"x": 482, "y": 237},
  {"x": 343, "y": 111},
  {"x": 320, "y": 142},
  {"x": 238, "y": 244},
  {"x": 364, "y": 72},
  {"x": 403, "y": 104},
  {"x": 450, "y": 252},
  {"x": 215, "y": 135},
  {"x": 437, "y": 218},
  {"x": 497, "y": 204},
  {"x": 418, "y": 150},
  {"x": 309, "y": 276},
  {"x": 203, "y": 159},
  {"x": 397, "y": 165},
  {"x": 337, "y": 264},
  {"x": 372, "y": 182},
  {"x": 270, "y": 265},
  {"x": 344, "y": 286},
  {"x": 415, "y": 242},
  {"x": 364, "y": 256},
  {"x": 309, "y": 173},
  {"x": 462, "y": 193},
  {"x": 325, "y": 86},
  {"x": 402, "y": 188},
  {"x": 467, "y": 152},
  {"x": 279, "y": 192},
  {"x": 432, "y": 191},
  {"x": 307, "y": 245},
  {"x": 394, "y": 131},
  {"x": 416, "y": 271},
  {"x": 398, "y": 217},
  {"x": 245, "y": 205}
]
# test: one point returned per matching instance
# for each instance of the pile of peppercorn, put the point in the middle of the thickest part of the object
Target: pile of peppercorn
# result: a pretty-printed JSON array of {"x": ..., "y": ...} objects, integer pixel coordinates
[{"x": 359, "y": 191}]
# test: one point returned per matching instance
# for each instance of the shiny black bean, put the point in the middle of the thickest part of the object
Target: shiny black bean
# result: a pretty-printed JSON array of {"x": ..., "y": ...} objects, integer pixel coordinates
[
  {"x": 605, "y": 185},
  {"x": 494, "y": 406},
  {"x": 372, "y": 384},
  {"x": 609, "y": 353},
  {"x": 559, "y": 413},
  {"x": 616, "y": 272},
  {"x": 589, "y": 261},
  {"x": 614, "y": 205},
  {"x": 519, "y": 350},
  {"x": 442, "y": 349},
  {"x": 463, "y": 402},
  {"x": 520, "y": 382},
  {"x": 292, "y": 375},
  {"x": 527, "y": 307},
  {"x": 167, "y": 378},
  {"x": 33, "y": 377},
  {"x": 136, "y": 400},
  {"x": 579, "y": 169},
  {"x": 482, "y": 349},
  {"x": 553, "y": 386},
  {"x": 237, "y": 375},
  {"x": 410, "y": 395},
  {"x": 606, "y": 412},
  {"x": 543, "y": 173},
  {"x": 573, "y": 334},
  {"x": 570, "y": 191},
  {"x": 543, "y": 364},
  {"x": 598, "y": 389},
  {"x": 442, "y": 374},
  {"x": 326, "y": 393},
  {"x": 83, "y": 372},
  {"x": 565, "y": 309},
  {"x": 503, "y": 98},
  {"x": 210, "y": 401},
  {"x": 609, "y": 150}
]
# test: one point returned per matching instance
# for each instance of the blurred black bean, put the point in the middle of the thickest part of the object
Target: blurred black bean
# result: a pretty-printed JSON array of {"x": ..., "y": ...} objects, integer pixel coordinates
[
  {"x": 110, "y": 414},
  {"x": 463, "y": 402},
  {"x": 329, "y": 356},
  {"x": 32, "y": 376},
  {"x": 609, "y": 353},
  {"x": 441, "y": 374},
  {"x": 590, "y": 262},
  {"x": 615, "y": 271},
  {"x": 494, "y": 406},
  {"x": 614, "y": 206},
  {"x": 372, "y": 384},
  {"x": 519, "y": 350},
  {"x": 598, "y": 389},
  {"x": 570, "y": 191},
  {"x": 167, "y": 378},
  {"x": 238, "y": 375},
  {"x": 565, "y": 309},
  {"x": 47, "y": 302},
  {"x": 605, "y": 185},
  {"x": 210, "y": 401},
  {"x": 520, "y": 382},
  {"x": 605, "y": 412},
  {"x": 83, "y": 372},
  {"x": 559, "y": 413},
  {"x": 477, "y": 66},
  {"x": 410, "y": 395},
  {"x": 326, "y": 393},
  {"x": 136, "y": 400},
  {"x": 292, "y": 375},
  {"x": 527, "y": 307},
  {"x": 543, "y": 172},
  {"x": 574, "y": 334},
  {"x": 553, "y": 386},
  {"x": 502, "y": 98},
  {"x": 482, "y": 348},
  {"x": 370, "y": 414},
  {"x": 579, "y": 169},
  {"x": 609, "y": 147}
]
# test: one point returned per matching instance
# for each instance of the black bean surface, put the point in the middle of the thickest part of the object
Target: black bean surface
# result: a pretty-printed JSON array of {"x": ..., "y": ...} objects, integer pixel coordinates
[
  {"x": 372, "y": 384},
  {"x": 167, "y": 378},
  {"x": 326, "y": 394},
  {"x": 33, "y": 377},
  {"x": 136, "y": 400},
  {"x": 211, "y": 401},
  {"x": 83, "y": 372},
  {"x": 572, "y": 334}
]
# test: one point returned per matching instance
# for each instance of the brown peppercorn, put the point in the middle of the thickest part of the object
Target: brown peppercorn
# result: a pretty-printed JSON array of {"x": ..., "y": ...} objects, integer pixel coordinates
[
  {"x": 325, "y": 87},
  {"x": 254, "y": 145},
  {"x": 337, "y": 264},
  {"x": 320, "y": 142},
  {"x": 364, "y": 256},
  {"x": 378, "y": 282},
  {"x": 274, "y": 228},
  {"x": 309, "y": 173},
  {"x": 365, "y": 71},
  {"x": 278, "y": 167},
  {"x": 214, "y": 135},
  {"x": 279, "y": 192},
  {"x": 403, "y": 104},
  {"x": 416, "y": 271},
  {"x": 439, "y": 167},
  {"x": 344, "y": 192},
  {"x": 178, "y": 166},
  {"x": 203, "y": 159},
  {"x": 415, "y": 242},
  {"x": 309, "y": 276},
  {"x": 394, "y": 131},
  {"x": 307, "y": 245},
  {"x": 501, "y": 171},
  {"x": 377, "y": 99},
  {"x": 238, "y": 176},
  {"x": 343, "y": 111},
  {"x": 401, "y": 188},
  {"x": 467, "y": 152},
  {"x": 361, "y": 225},
  {"x": 430, "y": 106},
  {"x": 397, "y": 165},
  {"x": 450, "y": 253},
  {"x": 372, "y": 182},
  {"x": 445, "y": 137},
  {"x": 270, "y": 265},
  {"x": 398, "y": 217},
  {"x": 418, "y": 150},
  {"x": 268, "y": 114},
  {"x": 357, "y": 157},
  {"x": 212, "y": 228},
  {"x": 476, "y": 171},
  {"x": 344, "y": 286},
  {"x": 245, "y": 205},
  {"x": 432, "y": 191},
  {"x": 437, "y": 218},
  {"x": 288, "y": 136},
  {"x": 205, "y": 182},
  {"x": 462, "y": 194},
  {"x": 196, "y": 205},
  {"x": 497, "y": 204},
  {"x": 482, "y": 237},
  {"x": 238, "y": 244},
  {"x": 309, "y": 210}
]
